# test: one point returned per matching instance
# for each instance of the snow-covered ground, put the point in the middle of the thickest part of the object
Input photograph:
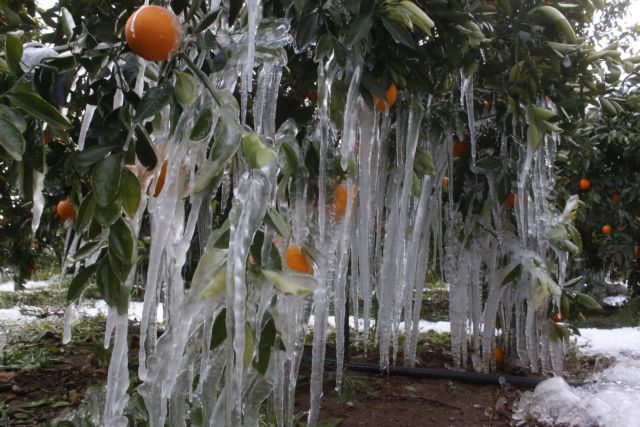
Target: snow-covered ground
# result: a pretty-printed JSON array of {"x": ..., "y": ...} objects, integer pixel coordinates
[{"x": 9, "y": 286}]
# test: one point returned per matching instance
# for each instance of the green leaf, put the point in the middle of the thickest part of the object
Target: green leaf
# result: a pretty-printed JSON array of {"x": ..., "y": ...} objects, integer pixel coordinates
[
  {"x": 324, "y": 46},
  {"x": 144, "y": 150},
  {"x": 277, "y": 222},
  {"x": 121, "y": 241},
  {"x": 106, "y": 180},
  {"x": 587, "y": 301},
  {"x": 107, "y": 215},
  {"x": 91, "y": 156},
  {"x": 153, "y": 101},
  {"x": 211, "y": 272},
  {"x": 31, "y": 103},
  {"x": 258, "y": 154},
  {"x": 533, "y": 136},
  {"x": 219, "y": 331},
  {"x": 85, "y": 213},
  {"x": 13, "y": 54},
  {"x": 227, "y": 141},
  {"x": 186, "y": 89},
  {"x": 291, "y": 283},
  {"x": 399, "y": 33},
  {"x": 11, "y": 139},
  {"x": 307, "y": 29},
  {"x": 358, "y": 29},
  {"x": 203, "y": 124},
  {"x": 14, "y": 117},
  {"x": 206, "y": 21},
  {"x": 265, "y": 346},
  {"x": 107, "y": 282},
  {"x": 513, "y": 270},
  {"x": 80, "y": 282},
  {"x": 129, "y": 192},
  {"x": 248, "y": 346},
  {"x": 88, "y": 249}
]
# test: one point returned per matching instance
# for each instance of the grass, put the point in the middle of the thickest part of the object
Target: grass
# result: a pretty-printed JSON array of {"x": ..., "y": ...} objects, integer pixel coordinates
[{"x": 626, "y": 316}]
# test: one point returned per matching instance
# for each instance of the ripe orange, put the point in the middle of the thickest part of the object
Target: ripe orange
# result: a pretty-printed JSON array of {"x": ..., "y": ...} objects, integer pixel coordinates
[
  {"x": 461, "y": 148},
  {"x": 65, "y": 210},
  {"x": 486, "y": 104},
  {"x": 585, "y": 184},
  {"x": 557, "y": 316},
  {"x": 161, "y": 178},
  {"x": 391, "y": 95},
  {"x": 499, "y": 356},
  {"x": 511, "y": 200},
  {"x": 615, "y": 198},
  {"x": 445, "y": 182},
  {"x": 607, "y": 229},
  {"x": 313, "y": 96},
  {"x": 297, "y": 260},
  {"x": 339, "y": 205},
  {"x": 153, "y": 33}
]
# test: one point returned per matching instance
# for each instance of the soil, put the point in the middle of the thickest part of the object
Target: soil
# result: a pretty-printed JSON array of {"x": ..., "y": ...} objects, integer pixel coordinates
[
  {"x": 32, "y": 397},
  {"x": 39, "y": 395}
]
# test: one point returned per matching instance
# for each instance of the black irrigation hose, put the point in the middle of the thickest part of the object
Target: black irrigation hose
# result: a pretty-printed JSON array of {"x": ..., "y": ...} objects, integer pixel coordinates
[{"x": 443, "y": 374}]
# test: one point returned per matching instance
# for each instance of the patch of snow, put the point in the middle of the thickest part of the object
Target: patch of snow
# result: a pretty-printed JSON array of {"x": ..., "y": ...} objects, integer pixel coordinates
[
  {"x": 87, "y": 309},
  {"x": 615, "y": 300},
  {"x": 611, "y": 401},
  {"x": 31, "y": 284},
  {"x": 617, "y": 342},
  {"x": 424, "y": 325}
]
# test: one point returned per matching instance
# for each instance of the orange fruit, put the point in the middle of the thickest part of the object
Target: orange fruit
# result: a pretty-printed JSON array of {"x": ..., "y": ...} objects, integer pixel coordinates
[
  {"x": 312, "y": 95},
  {"x": 391, "y": 95},
  {"x": 48, "y": 137},
  {"x": 339, "y": 206},
  {"x": 161, "y": 178},
  {"x": 499, "y": 356},
  {"x": 607, "y": 229},
  {"x": 486, "y": 104},
  {"x": 511, "y": 200},
  {"x": 297, "y": 260},
  {"x": 557, "y": 316},
  {"x": 445, "y": 182},
  {"x": 585, "y": 184},
  {"x": 615, "y": 198},
  {"x": 154, "y": 33},
  {"x": 65, "y": 210},
  {"x": 461, "y": 148}
]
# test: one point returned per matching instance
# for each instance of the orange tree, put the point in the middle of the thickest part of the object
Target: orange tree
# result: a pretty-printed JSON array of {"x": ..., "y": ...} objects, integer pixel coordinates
[
  {"x": 605, "y": 150},
  {"x": 264, "y": 128}
]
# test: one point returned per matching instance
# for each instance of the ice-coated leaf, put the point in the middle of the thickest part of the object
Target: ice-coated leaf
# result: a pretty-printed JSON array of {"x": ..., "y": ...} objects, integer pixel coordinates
[
  {"x": 80, "y": 282},
  {"x": 13, "y": 53},
  {"x": 203, "y": 124},
  {"x": 291, "y": 283},
  {"x": 186, "y": 89}
]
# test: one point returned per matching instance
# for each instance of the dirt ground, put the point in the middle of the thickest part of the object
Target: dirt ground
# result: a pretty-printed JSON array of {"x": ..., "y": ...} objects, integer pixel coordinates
[{"x": 31, "y": 397}]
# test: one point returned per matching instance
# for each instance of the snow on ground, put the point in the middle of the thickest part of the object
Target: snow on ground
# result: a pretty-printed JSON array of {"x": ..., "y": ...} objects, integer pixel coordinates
[
  {"x": 610, "y": 398},
  {"x": 9, "y": 286},
  {"x": 615, "y": 301}
]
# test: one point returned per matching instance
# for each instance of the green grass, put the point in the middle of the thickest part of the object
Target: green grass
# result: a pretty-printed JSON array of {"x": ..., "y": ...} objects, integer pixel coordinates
[{"x": 626, "y": 316}]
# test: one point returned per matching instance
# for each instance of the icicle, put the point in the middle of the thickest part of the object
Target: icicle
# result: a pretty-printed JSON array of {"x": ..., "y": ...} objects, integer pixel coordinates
[
  {"x": 86, "y": 122},
  {"x": 247, "y": 72},
  {"x": 38, "y": 199}
]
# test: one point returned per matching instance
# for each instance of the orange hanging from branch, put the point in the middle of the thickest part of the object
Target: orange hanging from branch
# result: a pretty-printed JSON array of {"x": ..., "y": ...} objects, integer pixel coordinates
[{"x": 154, "y": 33}]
